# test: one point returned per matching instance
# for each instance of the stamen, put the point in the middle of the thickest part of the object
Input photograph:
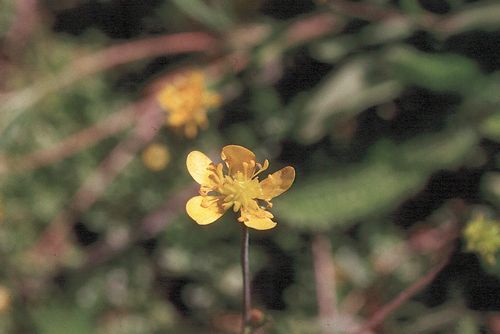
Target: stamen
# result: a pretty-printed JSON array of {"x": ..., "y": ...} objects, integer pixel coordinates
[
  {"x": 219, "y": 170},
  {"x": 261, "y": 168},
  {"x": 245, "y": 169},
  {"x": 226, "y": 206},
  {"x": 206, "y": 202}
]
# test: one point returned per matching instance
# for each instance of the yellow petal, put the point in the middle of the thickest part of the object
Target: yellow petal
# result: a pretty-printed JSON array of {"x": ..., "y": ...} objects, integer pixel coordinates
[
  {"x": 236, "y": 157},
  {"x": 204, "y": 209},
  {"x": 257, "y": 218},
  {"x": 197, "y": 164},
  {"x": 259, "y": 223},
  {"x": 277, "y": 183}
]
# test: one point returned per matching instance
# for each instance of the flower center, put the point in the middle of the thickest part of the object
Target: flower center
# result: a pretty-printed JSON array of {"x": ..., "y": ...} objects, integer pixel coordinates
[{"x": 240, "y": 191}]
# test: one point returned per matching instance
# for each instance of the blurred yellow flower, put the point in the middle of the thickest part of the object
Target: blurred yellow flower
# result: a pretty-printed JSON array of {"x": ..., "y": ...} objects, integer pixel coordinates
[
  {"x": 156, "y": 157},
  {"x": 239, "y": 188},
  {"x": 186, "y": 101},
  {"x": 5, "y": 299},
  {"x": 483, "y": 236}
]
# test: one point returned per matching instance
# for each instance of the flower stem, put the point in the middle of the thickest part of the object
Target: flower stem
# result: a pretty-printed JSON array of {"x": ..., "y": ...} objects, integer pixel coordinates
[{"x": 245, "y": 268}]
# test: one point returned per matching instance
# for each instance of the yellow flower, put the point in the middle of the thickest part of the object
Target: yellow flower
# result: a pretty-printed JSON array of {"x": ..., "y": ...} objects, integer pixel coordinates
[
  {"x": 483, "y": 237},
  {"x": 156, "y": 157},
  {"x": 5, "y": 299},
  {"x": 186, "y": 101},
  {"x": 239, "y": 188}
]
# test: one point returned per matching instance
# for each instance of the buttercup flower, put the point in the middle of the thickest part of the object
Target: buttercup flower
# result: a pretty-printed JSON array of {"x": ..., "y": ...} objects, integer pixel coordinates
[
  {"x": 186, "y": 101},
  {"x": 238, "y": 189}
]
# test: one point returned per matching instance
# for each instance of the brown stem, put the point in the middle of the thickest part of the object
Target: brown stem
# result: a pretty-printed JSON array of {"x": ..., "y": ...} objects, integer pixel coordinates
[
  {"x": 106, "y": 59},
  {"x": 324, "y": 276},
  {"x": 74, "y": 143},
  {"x": 245, "y": 268},
  {"x": 406, "y": 294}
]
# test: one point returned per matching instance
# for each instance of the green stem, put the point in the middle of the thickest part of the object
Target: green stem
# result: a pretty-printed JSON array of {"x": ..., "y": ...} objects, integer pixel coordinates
[{"x": 245, "y": 268}]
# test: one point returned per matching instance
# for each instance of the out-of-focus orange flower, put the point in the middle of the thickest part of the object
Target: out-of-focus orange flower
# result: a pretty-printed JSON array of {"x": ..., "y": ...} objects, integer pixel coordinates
[
  {"x": 186, "y": 101},
  {"x": 239, "y": 188},
  {"x": 5, "y": 299},
  {"x": 156, "y": 157}
]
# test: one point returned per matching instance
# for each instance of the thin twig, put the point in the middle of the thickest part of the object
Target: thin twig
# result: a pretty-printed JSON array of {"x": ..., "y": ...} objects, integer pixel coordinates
[
  {"x": 13, "y": 104},
  {"x": 379, "y": 316},
  {"x": 312, "y": 27},
  {"x": 324, "y": 275},
  {"x": 74, "y": 143},
  {"x": 245, "y": 269}
]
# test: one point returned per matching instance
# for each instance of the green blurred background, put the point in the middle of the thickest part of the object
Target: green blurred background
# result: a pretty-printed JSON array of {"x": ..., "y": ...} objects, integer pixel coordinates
[{"x": 389, "y": 110}]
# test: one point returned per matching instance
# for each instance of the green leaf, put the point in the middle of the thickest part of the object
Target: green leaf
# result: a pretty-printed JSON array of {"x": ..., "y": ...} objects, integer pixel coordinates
[
  {"x": 411, "y": 7},
  {"x": 490, "y": 187},
  {"x": 347, "y": 91},
  {"x": 480, "y": 16},
  {"x": 203, "y": 13},
  {"x": 325, "y": 200},
  {"x": 387, "y": 31},
  {"x": 490, "y": 127},
  {"x": 333, "y": 49},
  {"x": 59, "y": 318},
  {"x": 445, "y": 72},
  {"x": 431, "y": 152},
  {"x": 467, "y": 325},
  {"x": 390, "y": 176}
]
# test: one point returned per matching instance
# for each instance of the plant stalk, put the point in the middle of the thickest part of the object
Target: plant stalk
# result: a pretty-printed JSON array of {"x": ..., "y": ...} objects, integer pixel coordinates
[{"x": 245, "y": 268}]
